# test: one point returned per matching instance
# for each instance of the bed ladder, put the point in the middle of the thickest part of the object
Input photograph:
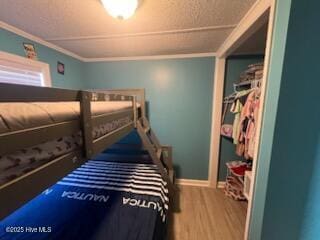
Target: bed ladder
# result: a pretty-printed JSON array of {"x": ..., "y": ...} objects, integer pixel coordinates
[{"x": 158, "y": 153}]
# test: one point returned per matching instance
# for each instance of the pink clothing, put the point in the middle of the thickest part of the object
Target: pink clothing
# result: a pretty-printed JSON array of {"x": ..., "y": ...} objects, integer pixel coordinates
[
  {"x": 247, "y": 126},
  {"x": 252, "y": 128}
]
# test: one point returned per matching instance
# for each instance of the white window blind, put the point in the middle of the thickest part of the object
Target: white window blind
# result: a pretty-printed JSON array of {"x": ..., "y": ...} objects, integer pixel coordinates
[{"x": 14, "y": 75}]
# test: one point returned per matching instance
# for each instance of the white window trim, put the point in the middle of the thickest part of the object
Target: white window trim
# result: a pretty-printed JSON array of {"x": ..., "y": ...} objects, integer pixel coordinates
[{"x": 12, "y": 60}]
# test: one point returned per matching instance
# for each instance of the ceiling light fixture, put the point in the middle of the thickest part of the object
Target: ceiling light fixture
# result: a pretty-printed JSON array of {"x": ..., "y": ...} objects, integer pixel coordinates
[{"x": 121, "y": 9}]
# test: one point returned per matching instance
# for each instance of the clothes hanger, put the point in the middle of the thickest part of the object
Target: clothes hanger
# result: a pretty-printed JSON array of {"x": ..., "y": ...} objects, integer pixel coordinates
[{"x": 230, "y": 98}]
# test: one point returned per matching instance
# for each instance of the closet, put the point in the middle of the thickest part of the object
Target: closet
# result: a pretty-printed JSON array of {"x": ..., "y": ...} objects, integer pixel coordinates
[
  {"x": 239, "y": 90},
  {"x": 240, "y": 115},
  {"x": 238, "y": 124}
]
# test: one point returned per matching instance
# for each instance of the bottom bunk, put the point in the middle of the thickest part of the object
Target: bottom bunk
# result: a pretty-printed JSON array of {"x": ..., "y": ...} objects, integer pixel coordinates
[{"x": 119, "y": 194}]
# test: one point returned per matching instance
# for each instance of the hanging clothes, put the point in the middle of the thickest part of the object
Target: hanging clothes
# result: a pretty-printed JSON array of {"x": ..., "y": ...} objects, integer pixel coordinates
[
  {"x": 252, "y": 130},
  {"x": 247, "y": 127},
  {"x": 226, "y": 129},
  {"x": 245, "y": 107},
  {"x": 236, "y": 108}
]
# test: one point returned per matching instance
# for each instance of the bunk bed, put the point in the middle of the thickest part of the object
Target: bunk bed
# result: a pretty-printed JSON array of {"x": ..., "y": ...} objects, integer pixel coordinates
[{"x": 35, "y": 121}]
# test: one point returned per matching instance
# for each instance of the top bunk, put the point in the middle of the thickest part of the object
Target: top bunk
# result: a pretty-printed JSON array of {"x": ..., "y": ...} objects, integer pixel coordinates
[
  {"x": 32, "y": 115},
  {"x": 45, "y": 133},
  {"x": 19, "y": 116}
]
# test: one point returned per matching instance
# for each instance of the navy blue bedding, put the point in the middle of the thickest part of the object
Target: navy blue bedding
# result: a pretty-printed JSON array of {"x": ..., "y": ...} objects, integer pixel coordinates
[{"x": 102, "y": 199}]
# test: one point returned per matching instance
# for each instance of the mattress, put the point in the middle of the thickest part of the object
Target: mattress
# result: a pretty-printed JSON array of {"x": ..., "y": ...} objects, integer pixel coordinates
[
  {"x": 17, "y": 116},
  {"x": 102, "y": 199}
]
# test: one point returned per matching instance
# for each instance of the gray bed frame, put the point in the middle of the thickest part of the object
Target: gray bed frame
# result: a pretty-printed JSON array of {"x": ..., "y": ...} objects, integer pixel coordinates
[{"x": 22, "y": 189}]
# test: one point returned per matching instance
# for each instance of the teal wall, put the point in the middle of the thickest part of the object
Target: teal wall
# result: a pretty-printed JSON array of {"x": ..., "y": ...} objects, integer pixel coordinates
[
  {"x": 292, "y": 209},
  {"x": 73, "y": 77},
  {"x": 235, "y": 66},
  {"x": 269, "y": 119},
  {"x": 179, "y": 92},
  {"x": 287, "y": 192}
]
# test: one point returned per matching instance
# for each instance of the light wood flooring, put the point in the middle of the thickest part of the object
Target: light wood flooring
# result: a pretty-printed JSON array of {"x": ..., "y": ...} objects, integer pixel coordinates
[{"x": 207, "y": 214}]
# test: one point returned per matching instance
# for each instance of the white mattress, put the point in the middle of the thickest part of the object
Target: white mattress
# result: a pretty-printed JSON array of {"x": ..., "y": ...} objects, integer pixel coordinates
[
  {"x": 24, "y": 160},
  {"x": 18, "y": 116}
]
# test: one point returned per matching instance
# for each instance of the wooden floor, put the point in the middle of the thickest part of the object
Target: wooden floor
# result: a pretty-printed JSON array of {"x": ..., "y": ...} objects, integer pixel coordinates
[{"x": 207, "y": 214}]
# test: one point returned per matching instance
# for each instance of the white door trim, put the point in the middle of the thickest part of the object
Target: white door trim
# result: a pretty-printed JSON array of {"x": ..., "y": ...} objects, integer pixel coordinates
[
  {"x": 260, "y": 116},
  {"x": 254, "y": 19},
  {"x": 217, "y": 101},
  {"x": 261, "y": 11}
]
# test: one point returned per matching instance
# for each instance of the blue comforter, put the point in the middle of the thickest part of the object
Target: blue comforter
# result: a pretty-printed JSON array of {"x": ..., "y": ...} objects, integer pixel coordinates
[{"x": 99, "y": 200}]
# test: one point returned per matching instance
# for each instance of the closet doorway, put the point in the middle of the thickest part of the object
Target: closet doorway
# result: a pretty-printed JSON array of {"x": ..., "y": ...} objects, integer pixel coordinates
[{"x": 249, "y": 43}]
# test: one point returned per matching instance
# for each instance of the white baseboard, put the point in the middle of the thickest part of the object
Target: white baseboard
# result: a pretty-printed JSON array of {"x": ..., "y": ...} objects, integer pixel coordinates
[
  {"x": 221, "y": 184},
  {"x": 192, "y": 182},
  {"x": 198, "y": 183}
]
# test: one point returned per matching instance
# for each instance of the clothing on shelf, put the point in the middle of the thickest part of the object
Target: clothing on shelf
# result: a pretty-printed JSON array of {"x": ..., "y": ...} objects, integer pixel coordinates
[
  {"x": 258, "y": 74},
  {"x": 235, "y": 179},
  {"x": 237, "y": 168},
  {"x": 254, "y": 71},
  {"x": 234, "y": 189}
]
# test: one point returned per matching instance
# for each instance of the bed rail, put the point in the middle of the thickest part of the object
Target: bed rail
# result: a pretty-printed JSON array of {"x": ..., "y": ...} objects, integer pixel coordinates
[
  {"x": 16, "y": 140},
  {"x": 15, "y": 193},
  {"x": 139, "y": 94},
  {"x": 24, "y": 93},
  {"x": 86, "y": 123},
  {"x": 13, "y": 141}
]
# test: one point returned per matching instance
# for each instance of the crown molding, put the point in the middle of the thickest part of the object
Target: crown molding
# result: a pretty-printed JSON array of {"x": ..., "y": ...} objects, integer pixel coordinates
[
  {"x": 141, "y": 34},
  {"x": 107, "y": 59},
  {"x": 151, "y": 57},
  {"x": 38, "y": 40}
]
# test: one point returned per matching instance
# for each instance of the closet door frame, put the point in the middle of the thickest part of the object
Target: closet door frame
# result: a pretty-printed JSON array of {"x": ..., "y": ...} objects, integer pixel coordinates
[{"x": 260, "y": 12}]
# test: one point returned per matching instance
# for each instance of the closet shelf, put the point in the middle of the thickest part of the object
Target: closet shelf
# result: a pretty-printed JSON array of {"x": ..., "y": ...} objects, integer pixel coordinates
[{"x": 251, "y": 83}]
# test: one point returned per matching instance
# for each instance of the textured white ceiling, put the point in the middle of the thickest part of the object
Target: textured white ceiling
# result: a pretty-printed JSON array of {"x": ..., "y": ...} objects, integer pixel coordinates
[{"x": 159, "y": 27}]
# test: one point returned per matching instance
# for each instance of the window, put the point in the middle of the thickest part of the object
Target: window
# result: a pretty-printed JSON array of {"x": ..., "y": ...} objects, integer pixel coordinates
[
  {"x": 19, "y": 70},
  {"x": 20, "y": 76}
]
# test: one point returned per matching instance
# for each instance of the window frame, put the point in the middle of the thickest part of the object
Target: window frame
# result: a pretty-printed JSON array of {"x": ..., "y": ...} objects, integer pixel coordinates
[{"x": 11, "y": 60}]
